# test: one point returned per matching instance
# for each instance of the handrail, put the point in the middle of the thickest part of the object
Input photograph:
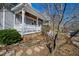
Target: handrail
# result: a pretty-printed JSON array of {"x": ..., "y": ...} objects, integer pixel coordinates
[{"x": 28, "y": 28}]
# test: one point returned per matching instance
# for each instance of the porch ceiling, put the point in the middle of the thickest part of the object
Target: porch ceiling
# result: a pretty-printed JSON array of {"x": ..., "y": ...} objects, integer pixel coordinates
[{"x": 28, "y": 15}]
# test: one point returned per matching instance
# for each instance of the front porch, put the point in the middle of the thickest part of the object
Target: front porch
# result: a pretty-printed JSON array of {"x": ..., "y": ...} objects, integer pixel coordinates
[{"x": 26, "y": 21}]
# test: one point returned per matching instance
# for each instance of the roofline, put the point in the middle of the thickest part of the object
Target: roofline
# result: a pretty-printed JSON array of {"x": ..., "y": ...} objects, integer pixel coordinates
[
  {"x": 14, "y": 8},
  {"x": 22, "y": 4}
]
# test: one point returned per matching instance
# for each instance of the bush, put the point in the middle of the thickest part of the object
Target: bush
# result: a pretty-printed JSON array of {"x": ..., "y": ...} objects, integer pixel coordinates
[{"x": 9, "y": 36}]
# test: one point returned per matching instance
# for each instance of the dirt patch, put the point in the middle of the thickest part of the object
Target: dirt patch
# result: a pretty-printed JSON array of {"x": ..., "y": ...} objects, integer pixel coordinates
[
  {"x": 67, "y": 50},
  {"x": 35, "y": 36}
]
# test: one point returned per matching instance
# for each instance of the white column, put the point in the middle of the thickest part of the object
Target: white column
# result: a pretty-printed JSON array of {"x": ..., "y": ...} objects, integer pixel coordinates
[
  {"x": 3, "y": 18},
  {"x": 14, "y": 19},
  {"x": 23, "y": 15},
  {"x": 37, "y": 24}
]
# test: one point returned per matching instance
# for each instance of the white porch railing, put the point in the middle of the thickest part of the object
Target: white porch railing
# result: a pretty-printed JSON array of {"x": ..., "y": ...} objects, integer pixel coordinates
[{"x": 27, "y": 29}]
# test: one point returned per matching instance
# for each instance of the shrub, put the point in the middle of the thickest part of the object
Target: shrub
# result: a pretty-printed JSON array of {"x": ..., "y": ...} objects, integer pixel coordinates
[{"x": 9, "y": 36}]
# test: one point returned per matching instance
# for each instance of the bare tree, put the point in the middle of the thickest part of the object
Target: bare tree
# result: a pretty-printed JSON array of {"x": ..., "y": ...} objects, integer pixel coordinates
[{"x": 59, "y": 10}]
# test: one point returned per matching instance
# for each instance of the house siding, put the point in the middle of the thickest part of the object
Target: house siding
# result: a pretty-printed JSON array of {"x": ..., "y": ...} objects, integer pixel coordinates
[
  {"x": 1, "y": 15},
  {"x": 9, "y": 19}
]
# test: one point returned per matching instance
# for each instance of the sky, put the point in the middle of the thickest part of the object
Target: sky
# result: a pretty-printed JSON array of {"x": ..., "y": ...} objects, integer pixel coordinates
[
  {"x": 38, "y": 7},
  {"x": 69, "y": 8}
]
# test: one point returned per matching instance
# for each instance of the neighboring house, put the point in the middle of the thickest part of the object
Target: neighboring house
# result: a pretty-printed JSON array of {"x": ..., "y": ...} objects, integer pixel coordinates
[{"x": 22, "y": 17}]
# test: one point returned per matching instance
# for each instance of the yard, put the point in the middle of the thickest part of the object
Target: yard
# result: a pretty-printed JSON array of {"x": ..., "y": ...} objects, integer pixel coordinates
[{"x": 35, "y": 45}]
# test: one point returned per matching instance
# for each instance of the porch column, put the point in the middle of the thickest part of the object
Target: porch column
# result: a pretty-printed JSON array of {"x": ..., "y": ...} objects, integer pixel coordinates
[
  {"x": 14, "y": 19},
  {"x": 37, "y": 24},
  {"x": 23, "y": 15},
  {"x": 3, "y": 18}
]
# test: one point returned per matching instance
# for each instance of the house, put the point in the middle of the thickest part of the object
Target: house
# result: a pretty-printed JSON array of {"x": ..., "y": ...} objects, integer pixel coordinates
[{"x": 21, "y": 17}]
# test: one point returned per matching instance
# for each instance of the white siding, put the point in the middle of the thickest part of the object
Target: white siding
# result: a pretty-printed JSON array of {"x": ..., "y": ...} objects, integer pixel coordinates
[
  {"x": 9, "y": 19},
  {"x": 1, "y": 21},
  {"x": 18, "y": 20},
  {"x": 28, "y": 21}
]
